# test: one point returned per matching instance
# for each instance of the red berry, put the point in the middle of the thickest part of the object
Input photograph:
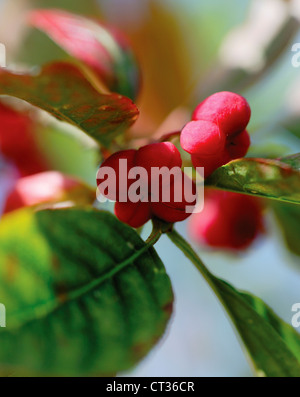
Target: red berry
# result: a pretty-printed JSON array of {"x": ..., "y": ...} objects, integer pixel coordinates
[
  {"x": 39, "y": 188},
  {"x": 17, "y": 143},
  {"x": 202, "y": 138},
  {"x": 228, "y": 221},
  {"x": 210, "y": 163},
  {"x": 156, "y": 155},
  {"x": 175, "y": 211},
  {"x": 134, "y": 214},
  {"x": 230, "y": 111},
  {"x": 238, "y": 145},
  {"x": 217, "y": 133},
  {"x": 121, "y": 186},
  {"x": 161, "y": 154}
]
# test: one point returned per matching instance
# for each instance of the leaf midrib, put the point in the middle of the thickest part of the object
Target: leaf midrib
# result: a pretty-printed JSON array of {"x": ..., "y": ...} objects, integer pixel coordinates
[{"x": 80, "y": 292}]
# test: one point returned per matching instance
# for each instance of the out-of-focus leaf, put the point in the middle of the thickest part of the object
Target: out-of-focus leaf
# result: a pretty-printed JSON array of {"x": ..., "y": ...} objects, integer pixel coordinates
[
  {"x": 272, "y": 344},
  {"x": 166, "y": 60},
  {"x": 274, "y": 179},
  {"x": 89, "y": 7},
  {"x": 62, "y": 90},
  {"x": 292, "y": 160},
  {"x": 81, "y": 160},
  {"x": 105, "y": 50},
  {"x": 83, "y": 293},
  {"x": 293, "y": 126},
  {"x": 268, "y": 150},
  {"x": 288, "y": 216}
]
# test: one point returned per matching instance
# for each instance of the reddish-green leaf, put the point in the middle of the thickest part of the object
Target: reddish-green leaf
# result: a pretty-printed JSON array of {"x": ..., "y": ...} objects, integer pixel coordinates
[
  {"x": 62, "y": 90},
  {"x": 105, "y": 50},
  {"x": 274, "y": 179}
]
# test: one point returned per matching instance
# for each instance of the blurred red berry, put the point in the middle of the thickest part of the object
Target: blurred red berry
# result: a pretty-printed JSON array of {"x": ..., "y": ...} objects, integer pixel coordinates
[
  {"x": 228, "y": 221},
  {"x": 17, "y": 142},
  {"x": 152, "y": 203},
  {"x": 216, "y": 134},
  {"x": 39, "y": 188}
]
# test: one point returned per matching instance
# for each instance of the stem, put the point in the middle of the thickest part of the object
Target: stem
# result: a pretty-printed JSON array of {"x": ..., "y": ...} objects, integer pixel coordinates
[
  {"x": 243, "y": 313},
  {"x": 159, "y": 227},
  {"x": 169, "y": 136},
  {"x": 189, "y": 252},
  {"x": 212, "y": 281},
  {"x": 154, "y": 236}
]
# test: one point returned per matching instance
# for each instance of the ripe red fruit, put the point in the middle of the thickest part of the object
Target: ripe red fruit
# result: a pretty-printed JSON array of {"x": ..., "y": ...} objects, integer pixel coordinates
[
  {"x": 17, "y": 143},
  {"x": 230, "y": 111},
  {"x": 161, "y": 154},
  {"x": 134, "y": 214},
  {"x": 44, "y": 187},
  {"x": 202, "y": 138},
  {"x": 228, "y": 221},
  {"x": 175, "y": 211},
  {"x": 216, "y": 134},
  {"x": 156, "y": 155},
  {"x": 121, "y": 186}
]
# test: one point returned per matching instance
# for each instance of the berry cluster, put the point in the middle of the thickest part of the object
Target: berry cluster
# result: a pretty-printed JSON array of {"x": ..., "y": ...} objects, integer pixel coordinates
[
  {"x": 228, "y": 220},
  {"x": 135, "y": 214},
  {"x": 217, "y": 133}
]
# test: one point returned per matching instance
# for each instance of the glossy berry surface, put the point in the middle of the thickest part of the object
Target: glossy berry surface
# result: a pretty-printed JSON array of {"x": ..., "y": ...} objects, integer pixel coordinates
[
  {"x": 217, "y": 133},
  {"x": 230, "y": 111}
]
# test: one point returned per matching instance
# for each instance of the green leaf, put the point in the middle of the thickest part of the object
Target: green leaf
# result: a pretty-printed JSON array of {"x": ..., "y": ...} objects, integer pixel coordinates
[
  {"x": 62, "y": 89},
  {"x": 288, "y": 216},
  {"x": 292, "y": 125},
  {"x": 274, "y": 179},
  {"x": 290, "y": 336},
  {"x": 272, "y": 344},
  {"x": 83, "y": 293}
]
